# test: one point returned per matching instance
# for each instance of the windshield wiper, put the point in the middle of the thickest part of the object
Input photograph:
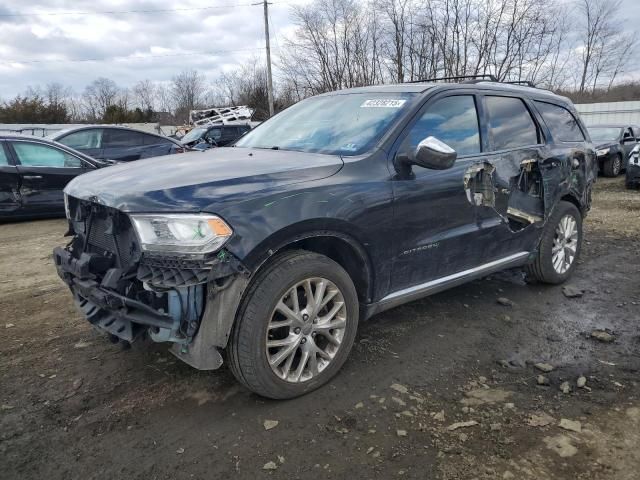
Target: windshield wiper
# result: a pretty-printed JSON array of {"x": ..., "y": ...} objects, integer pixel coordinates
[{"x": 275, "y": 147}]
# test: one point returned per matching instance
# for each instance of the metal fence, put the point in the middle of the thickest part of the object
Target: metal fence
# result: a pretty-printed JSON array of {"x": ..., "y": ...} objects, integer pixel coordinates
[{"x": 610, "y": 113}]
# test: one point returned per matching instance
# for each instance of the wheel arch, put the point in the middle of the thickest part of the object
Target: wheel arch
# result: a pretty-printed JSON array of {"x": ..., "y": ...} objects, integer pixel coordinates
[
  {"x": 572, "y": 198},
  {"x": 334, "y": 239}
]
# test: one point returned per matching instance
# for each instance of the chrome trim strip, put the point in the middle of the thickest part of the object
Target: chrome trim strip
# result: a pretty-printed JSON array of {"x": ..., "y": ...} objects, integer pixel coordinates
[{"x": 423, "y": 287}]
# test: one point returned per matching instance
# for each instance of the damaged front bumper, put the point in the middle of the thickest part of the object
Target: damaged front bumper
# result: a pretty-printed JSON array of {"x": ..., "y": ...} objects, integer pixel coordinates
[{"x": 130, "y": 294}]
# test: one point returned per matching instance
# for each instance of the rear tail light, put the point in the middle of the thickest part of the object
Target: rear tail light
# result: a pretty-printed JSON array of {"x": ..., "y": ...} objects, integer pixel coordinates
[{"x": 179, "y": 150}]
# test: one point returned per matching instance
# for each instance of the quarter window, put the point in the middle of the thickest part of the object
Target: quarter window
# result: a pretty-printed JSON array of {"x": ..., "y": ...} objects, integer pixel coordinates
[
  {"x": 510, "y": 123},
  {"x": 36, "y": 155},
  {"x": 452, "y": 120},
  {"x": 84, "y": 139},
  {"x": 563, "y": 125}
]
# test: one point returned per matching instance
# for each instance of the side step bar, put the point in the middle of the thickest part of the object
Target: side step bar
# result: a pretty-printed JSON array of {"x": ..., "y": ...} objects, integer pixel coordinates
[{"x": 439, "y": 284}]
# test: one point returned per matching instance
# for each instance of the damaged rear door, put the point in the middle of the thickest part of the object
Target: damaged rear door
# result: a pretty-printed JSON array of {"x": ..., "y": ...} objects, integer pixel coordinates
[
  {"x": 506, "y": 187},
  {"x": 9, "y": 183}
]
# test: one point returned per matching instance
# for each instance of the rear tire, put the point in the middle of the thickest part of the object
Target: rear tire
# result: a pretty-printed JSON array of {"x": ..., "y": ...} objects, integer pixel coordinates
[
  {"x": 557, "y": 256},
  {"x": 613, "y": 166},
  {"x": 319, "y": 335}
]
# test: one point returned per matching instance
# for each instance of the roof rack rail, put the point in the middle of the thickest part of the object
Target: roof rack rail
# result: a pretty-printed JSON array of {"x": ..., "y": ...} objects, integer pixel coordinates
[
  {"x": 522, "y": 82},
  {"x": 491, "y": 78}
]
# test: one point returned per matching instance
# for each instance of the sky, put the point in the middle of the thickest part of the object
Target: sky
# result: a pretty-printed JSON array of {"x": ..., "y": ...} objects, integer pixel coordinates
[{"x": 50, "y": 41}]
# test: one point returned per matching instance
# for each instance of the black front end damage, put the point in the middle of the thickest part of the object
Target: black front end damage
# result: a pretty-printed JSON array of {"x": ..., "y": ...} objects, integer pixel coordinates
[{"x": 131, "y": 294}]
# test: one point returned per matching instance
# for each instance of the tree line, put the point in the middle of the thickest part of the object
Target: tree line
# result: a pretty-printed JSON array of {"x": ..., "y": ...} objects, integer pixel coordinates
[{"x": 579, "y": 49}]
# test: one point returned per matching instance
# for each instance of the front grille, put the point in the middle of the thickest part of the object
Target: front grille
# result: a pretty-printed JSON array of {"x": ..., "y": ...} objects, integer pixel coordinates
[
  {"x": 110, "y": 231},
  {"x": 99, "y": 238}
]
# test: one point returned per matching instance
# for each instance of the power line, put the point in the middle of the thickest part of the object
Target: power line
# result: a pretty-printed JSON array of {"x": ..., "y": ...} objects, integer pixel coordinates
[
  {"x": 141, "y": 57},
  {"x": 118, "y": 12}
]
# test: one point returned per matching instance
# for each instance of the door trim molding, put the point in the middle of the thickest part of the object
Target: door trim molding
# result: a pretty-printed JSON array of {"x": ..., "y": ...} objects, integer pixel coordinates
[{"x": 415, "y": 292}]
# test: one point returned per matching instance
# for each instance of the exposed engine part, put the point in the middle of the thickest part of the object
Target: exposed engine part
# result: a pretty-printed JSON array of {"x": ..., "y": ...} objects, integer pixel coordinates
[{"x": 185, "y": 306}]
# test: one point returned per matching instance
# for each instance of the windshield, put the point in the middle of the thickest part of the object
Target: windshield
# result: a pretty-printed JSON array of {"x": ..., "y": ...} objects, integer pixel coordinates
[
  {"x": 604, "y": 134},
  {"x": 348, "y": 124},
  {"x": 193, "y": 135}
]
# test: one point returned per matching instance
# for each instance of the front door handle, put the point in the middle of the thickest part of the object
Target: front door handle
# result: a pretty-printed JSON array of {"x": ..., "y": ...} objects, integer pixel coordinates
[{"x": 32, "y": 177}]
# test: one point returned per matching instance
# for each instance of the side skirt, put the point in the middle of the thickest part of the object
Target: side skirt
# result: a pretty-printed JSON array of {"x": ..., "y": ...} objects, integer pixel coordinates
[{"x": 410, "y": 294}]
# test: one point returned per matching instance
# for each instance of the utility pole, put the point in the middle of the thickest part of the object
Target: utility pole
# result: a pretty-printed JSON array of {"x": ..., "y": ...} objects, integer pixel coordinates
[{"x": 268, "y": 48}]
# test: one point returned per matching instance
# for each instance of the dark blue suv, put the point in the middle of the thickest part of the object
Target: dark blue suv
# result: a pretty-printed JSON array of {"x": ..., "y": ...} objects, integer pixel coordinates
[{"x": 342, "y": 206}]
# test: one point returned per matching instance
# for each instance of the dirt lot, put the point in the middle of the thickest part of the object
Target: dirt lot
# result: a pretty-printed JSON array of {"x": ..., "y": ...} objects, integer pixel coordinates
[{"x": 443, "y": 388}]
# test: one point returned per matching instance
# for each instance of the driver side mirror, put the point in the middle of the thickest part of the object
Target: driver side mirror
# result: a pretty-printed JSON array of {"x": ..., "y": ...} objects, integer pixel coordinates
[{"x": 435, "y": 154}]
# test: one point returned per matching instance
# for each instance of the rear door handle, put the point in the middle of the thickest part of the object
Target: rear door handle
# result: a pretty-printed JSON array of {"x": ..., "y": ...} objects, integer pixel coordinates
[{"x": 32, "y": 177}]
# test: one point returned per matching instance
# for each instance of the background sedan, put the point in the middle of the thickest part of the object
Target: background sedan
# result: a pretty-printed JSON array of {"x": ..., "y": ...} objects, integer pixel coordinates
[
  {"x": 33, "y": 173},
  {"x": 117, "y": 143}
]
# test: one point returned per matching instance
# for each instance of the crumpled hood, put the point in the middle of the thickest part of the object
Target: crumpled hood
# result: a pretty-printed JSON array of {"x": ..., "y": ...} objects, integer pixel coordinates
[{"x": 196, "y": 181}]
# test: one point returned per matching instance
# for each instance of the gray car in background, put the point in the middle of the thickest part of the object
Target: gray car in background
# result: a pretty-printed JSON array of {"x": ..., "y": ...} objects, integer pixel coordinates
[{"x": 117, "y": 143}]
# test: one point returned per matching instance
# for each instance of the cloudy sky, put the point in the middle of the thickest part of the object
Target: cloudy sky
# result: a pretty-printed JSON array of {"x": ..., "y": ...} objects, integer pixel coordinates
[{"x": 51, "y": 41}]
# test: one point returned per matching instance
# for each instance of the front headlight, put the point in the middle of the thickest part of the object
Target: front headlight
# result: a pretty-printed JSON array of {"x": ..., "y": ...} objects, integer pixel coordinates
[
  {"x": 603, "y": 151},
  {"x": 178, "y": 233}
]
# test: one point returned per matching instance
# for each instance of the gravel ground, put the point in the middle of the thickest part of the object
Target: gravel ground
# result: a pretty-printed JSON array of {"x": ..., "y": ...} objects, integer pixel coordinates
[{"x": 442, "y": 388}]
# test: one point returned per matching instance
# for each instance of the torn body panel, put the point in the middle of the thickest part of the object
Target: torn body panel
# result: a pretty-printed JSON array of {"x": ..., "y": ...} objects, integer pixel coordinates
[{"x": 523, "y": 193}]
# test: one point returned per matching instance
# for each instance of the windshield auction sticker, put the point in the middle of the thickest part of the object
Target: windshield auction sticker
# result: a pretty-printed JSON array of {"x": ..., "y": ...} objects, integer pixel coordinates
[{"x": 383, "y": 103}]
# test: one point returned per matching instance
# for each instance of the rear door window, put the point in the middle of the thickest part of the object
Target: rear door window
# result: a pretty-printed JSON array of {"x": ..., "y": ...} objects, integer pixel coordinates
[
  {"x": 215, "y": 133},
  {"x": 84, "y": 139},
  {"x": 116, "y": 138},
  {"x": 153, "y": 140},
  {"x": 452, "y": 120},
  {"x": 510, "y": 123},
  {"x": 38, "y": 155},
  {"x": 563, "y": 125},
  {"x": 230, "y": 132}
]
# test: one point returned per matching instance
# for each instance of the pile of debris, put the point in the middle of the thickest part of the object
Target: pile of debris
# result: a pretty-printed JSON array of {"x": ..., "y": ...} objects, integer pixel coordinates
[{"x": 217, "y": 115}]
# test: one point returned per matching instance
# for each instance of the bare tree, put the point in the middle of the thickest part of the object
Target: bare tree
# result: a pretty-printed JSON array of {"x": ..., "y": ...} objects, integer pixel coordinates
[
  {"x": 246, "y": 85},
  {"x": 602, "y": 44},
  {"x": 144, "y": 95},
  {"x": 98, "y": 96},
  {"x": 188, "y": 90},
  {"x": 336, "y": 45},
  {"x": 163, "y": 97}
]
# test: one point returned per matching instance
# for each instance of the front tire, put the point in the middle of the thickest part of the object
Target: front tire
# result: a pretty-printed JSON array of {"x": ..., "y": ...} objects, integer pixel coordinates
[
  {"x": 295, "y": 327},
  {"x": 560, "y": 245},
  {"x": 613, "y": 166}
]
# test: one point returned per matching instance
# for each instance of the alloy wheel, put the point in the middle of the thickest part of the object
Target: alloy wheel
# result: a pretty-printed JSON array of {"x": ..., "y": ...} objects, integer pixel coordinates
[
  {"x": 565, "y": 244},
  {"x": 306, "y": 329}
]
